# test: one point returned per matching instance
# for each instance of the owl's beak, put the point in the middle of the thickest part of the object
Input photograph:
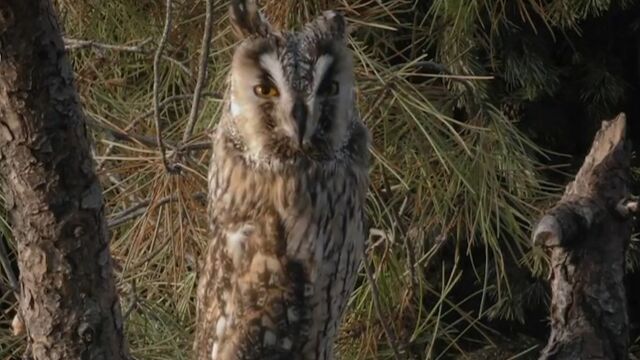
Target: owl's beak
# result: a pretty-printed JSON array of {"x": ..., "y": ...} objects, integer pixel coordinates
[{"x": 299, "y": 115}]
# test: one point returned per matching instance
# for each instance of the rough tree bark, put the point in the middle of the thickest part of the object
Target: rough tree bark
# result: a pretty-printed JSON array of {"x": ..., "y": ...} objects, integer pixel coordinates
[
  {"x": 587, "y": 233},
  {"x": 68, "y": 299}
]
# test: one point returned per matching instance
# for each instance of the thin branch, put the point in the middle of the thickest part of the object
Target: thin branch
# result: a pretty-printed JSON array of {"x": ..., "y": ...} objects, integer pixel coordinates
[
  {"x": 142, "y": 207},
  {"x": 179, "y": 64},
  {"x": 117, "y": 182},
  {"x": 444, "y": 71},
  {"x": 375, "y": 294},
  {"x": 156, "y": 88},
  {"x": 137, "y": 210},
  {"x": 202, "y": 145},
  {"x": 126, "y": 135},
  {"x": 173, "y": 98},
  {"x": 73, "y": 44},
  {"x": 202, "y": 72},
  {"x": 146, "y": 140},
  {"x": 126, "y": 214},
  {"x": 78, "y": 44}
]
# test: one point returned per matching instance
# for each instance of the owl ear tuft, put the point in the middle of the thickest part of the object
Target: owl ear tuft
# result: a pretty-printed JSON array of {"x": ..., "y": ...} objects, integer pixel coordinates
[
  {"x": 334, "y": 23},
  {"x": 247, "y": 20}
]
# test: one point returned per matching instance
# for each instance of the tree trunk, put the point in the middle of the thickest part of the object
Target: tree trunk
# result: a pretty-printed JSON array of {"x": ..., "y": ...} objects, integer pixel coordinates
[
  {"x": 587, "y": 233},
  {"x": 68, "y": 300}
]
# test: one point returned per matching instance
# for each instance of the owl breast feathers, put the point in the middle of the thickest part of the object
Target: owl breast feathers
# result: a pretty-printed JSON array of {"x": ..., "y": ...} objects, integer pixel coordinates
[{"x": 287, "y": 185}]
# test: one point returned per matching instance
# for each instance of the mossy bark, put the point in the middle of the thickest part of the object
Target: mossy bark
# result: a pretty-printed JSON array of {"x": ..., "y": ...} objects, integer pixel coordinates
[
  {"x": 68, "y": 299},
  {"x": 587, "y": 233}
]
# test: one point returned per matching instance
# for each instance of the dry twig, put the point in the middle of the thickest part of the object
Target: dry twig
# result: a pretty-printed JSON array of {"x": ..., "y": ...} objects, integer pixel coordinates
[
  {"x": 202, "y": 72},
  {"x": 142, "y": 207},
  {"x": 146, "y": 140},
  {"x": 156, "y": 85},
  {"x": 78, "y": 44},
  {"x": 73, "y": 44},
  {"x": 125, "y": 133}
]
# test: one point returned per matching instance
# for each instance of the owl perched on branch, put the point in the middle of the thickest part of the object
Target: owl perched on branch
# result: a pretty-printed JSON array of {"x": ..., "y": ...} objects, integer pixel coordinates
[{"x": 287, "y": 186}]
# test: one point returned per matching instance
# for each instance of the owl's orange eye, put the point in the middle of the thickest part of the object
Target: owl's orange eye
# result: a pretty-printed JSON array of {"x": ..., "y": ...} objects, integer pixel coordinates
[{"x": 266, "y": 91}]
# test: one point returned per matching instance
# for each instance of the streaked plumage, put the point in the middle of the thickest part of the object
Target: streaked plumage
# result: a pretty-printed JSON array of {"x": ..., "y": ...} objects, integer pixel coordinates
[{"x": 287, "y": 186}]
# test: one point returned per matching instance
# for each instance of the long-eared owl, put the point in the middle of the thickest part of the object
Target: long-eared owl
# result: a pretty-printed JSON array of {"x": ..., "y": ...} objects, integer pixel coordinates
[{"x": 288, "y": 180}]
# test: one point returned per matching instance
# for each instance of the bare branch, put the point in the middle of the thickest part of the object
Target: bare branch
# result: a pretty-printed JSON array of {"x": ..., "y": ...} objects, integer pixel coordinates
[
  {"x": 179, "y": 64},
  {"x": 146, "y": 140},
  {"x": 126, "y": 135},
  {"x": 202, "y": 72},
  {"x": 78, "y": 44},
  {"x": 156, "y": 85},
  {"x": 73, "y": 44},
  {"x": 171, "y": 99},
  {"x": 202, "y": 145},
  {"x": 142, "y": 207}
]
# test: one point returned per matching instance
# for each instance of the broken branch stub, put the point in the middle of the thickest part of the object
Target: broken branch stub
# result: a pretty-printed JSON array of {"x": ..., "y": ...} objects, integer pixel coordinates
[{"x": 587, "y": 234}]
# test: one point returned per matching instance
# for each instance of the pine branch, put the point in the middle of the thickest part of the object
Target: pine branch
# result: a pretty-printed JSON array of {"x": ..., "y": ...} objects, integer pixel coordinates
[{"x": 202, "y": 72}]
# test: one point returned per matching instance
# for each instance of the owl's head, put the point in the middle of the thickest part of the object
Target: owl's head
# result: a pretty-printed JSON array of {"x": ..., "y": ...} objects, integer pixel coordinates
[{"x": 291, "y": 92}]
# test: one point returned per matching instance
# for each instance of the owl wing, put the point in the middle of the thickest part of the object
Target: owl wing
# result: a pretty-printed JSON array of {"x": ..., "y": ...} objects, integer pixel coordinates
[{"x": 251, "y": 298}]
